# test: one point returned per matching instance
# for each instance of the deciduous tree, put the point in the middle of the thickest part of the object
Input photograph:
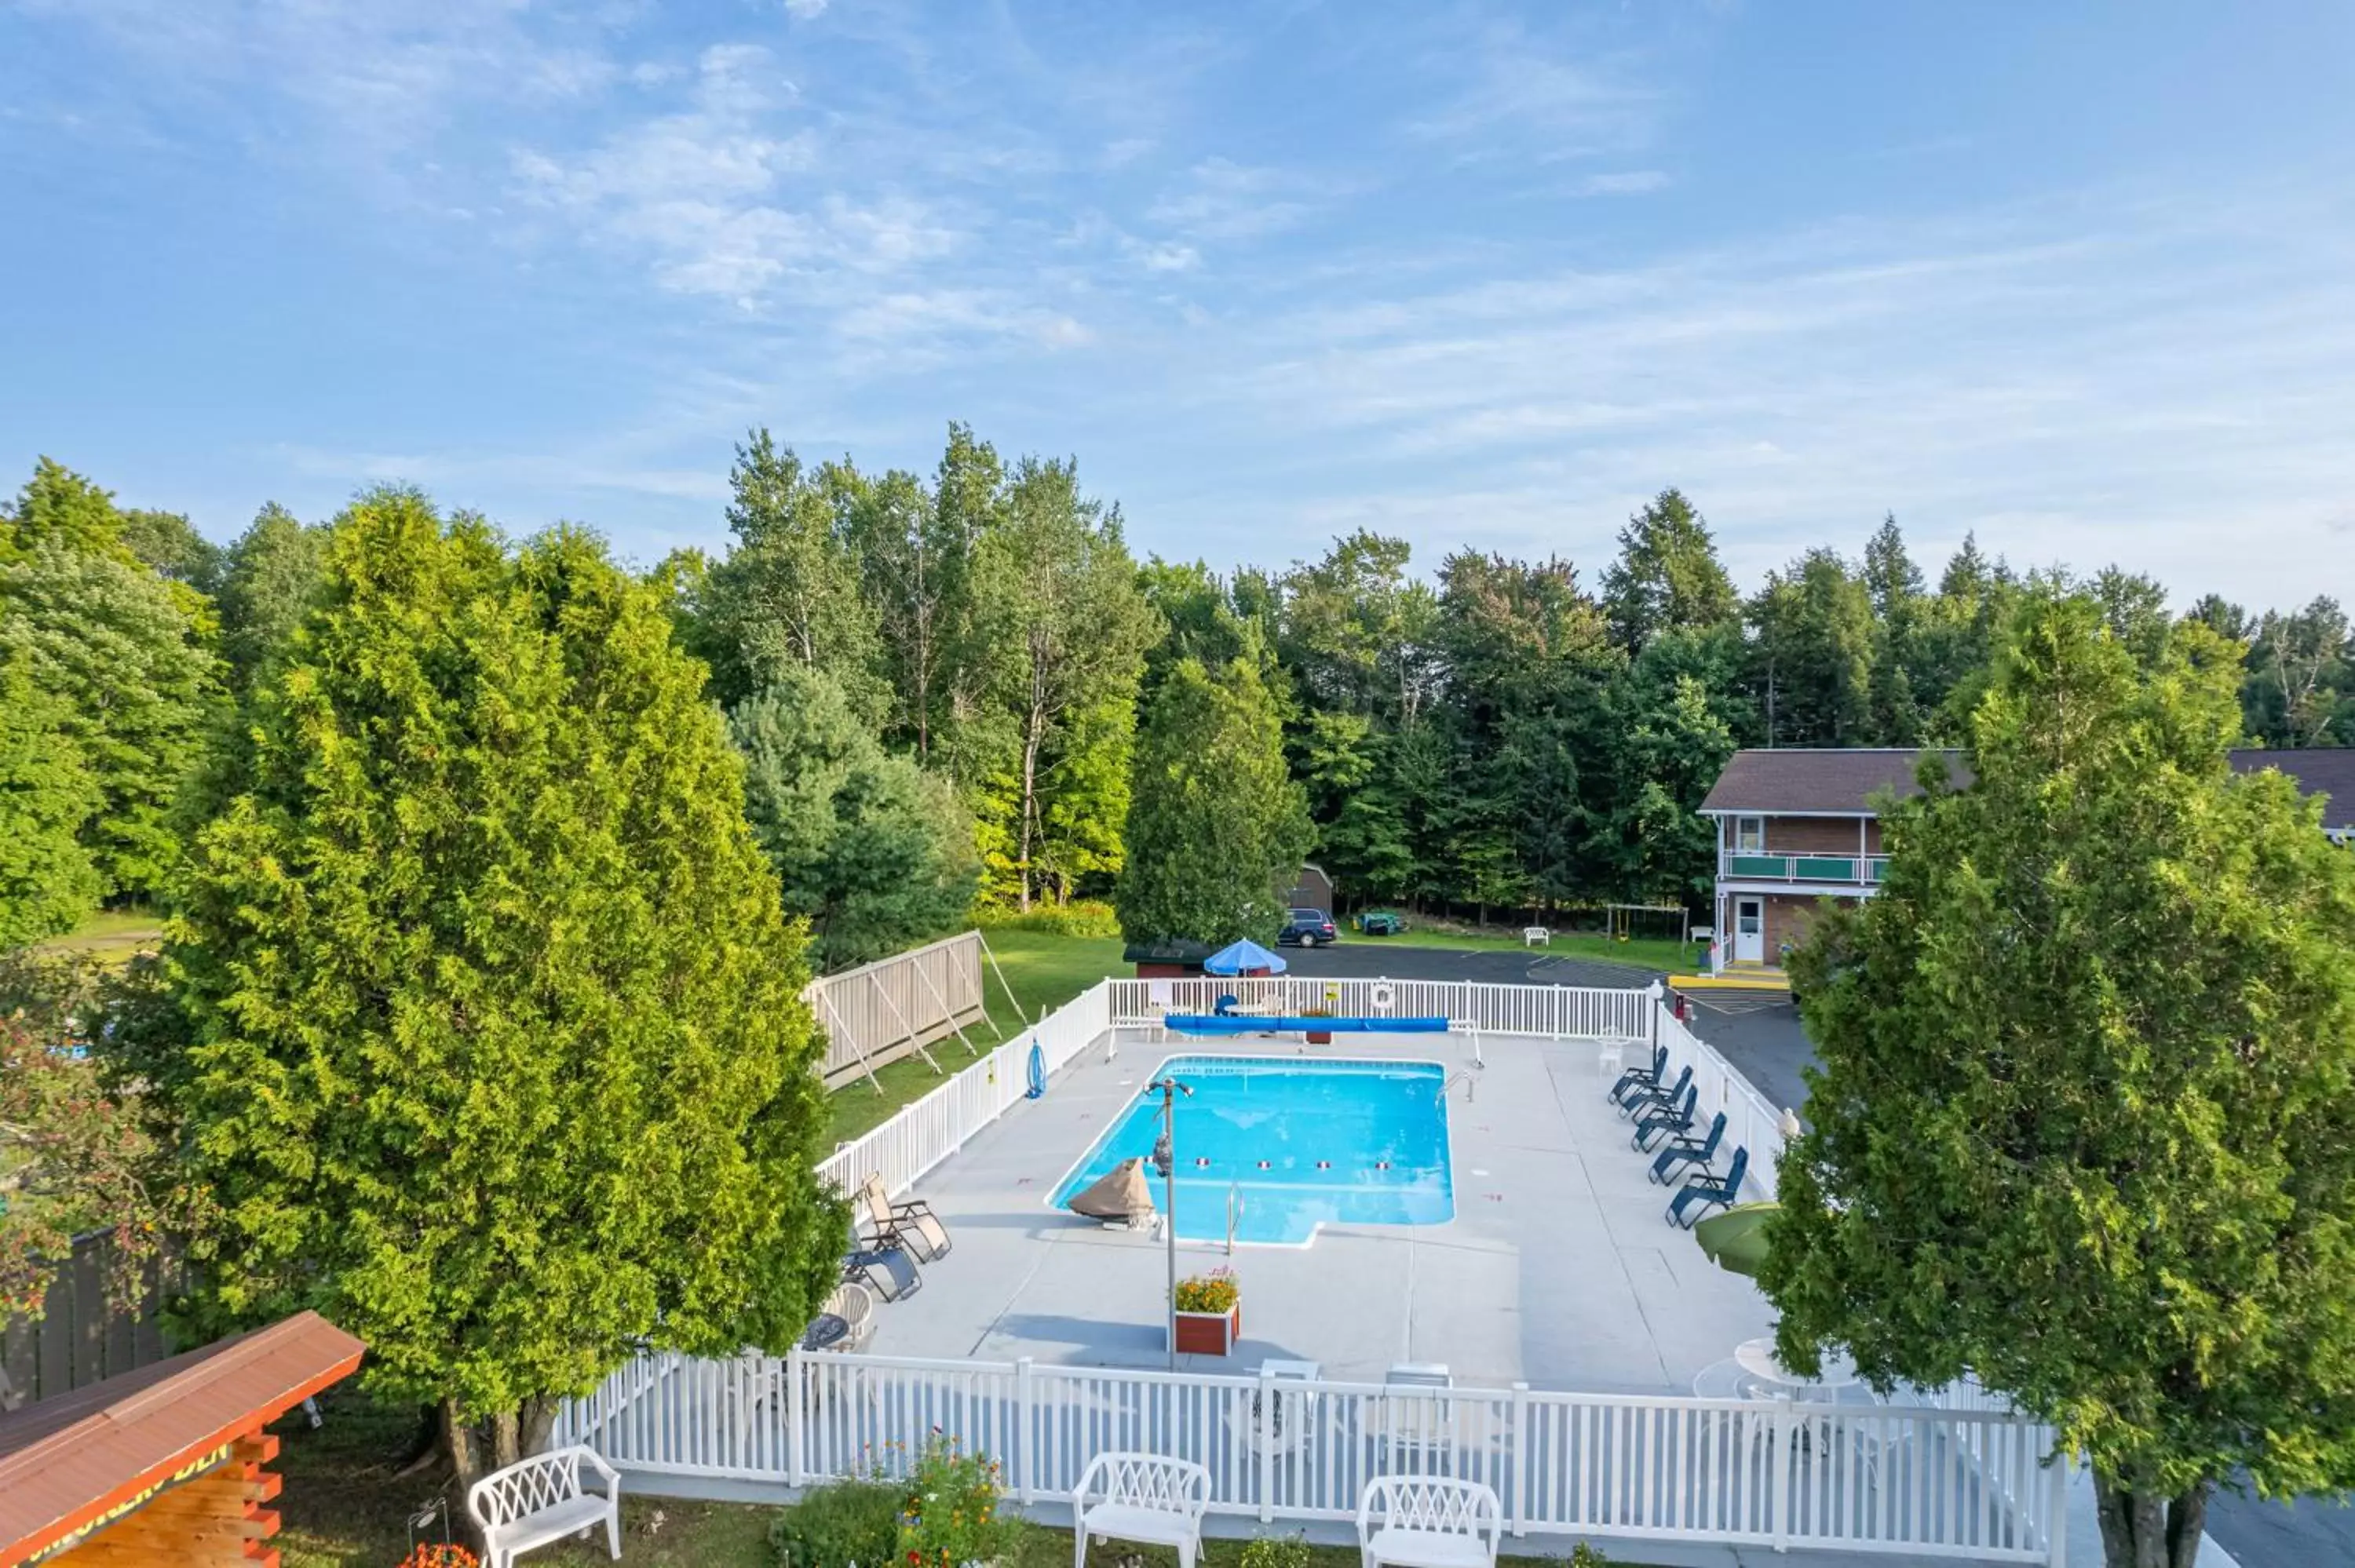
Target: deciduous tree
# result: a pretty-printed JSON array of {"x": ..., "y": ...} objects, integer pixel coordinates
[
  {"x": 48, "y": 882},
  {"x": 497, "y": 1055},
  {"x": 2084, "y": 1125}
]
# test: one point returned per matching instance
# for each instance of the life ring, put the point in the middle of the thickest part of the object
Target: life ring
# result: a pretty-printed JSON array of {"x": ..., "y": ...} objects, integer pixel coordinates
[{"x": 1384, "y": 995}]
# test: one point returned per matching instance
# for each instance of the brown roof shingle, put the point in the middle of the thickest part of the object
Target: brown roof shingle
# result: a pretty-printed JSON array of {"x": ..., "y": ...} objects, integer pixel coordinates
[
  {"x": 1840, "y": 780},
  {"x": 67, "y": 1458}
]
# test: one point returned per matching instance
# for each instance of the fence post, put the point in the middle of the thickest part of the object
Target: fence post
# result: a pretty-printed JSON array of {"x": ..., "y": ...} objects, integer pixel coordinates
[
  {"x": 1264, "y": 1420},
  {"x": 1784, "y": 1440},
  {"x": 1521, "y": 1444},
  {"x": 2056, "y": 1517},
  {"x": 796, "y": 1369},
  {"x": 1022, "y": 1429}
]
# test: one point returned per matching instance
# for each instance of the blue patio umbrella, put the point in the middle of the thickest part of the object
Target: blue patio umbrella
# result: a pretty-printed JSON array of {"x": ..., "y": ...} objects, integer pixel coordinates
[{"x": 1244, "y": 958}]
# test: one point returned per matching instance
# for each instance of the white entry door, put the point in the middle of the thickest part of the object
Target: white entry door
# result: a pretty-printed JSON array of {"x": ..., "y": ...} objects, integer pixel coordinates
[{"x": 1749, "y": 930}]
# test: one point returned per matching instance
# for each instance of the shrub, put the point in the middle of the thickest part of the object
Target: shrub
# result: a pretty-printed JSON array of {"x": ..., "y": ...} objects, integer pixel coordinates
[
  {"x": 1585, "y": 1556},
  {"x": 1213, "y": 1292},
  {"x": 1276, "y": 1551},
  {"x": 834, "y": 1526},
  {"x": 1080, "y": 918},
  {"x": 951, "y": 1517}
]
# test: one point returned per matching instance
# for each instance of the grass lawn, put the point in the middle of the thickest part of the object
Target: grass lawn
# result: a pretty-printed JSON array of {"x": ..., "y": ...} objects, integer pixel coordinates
[
  {"x": 1045, "y": 972},
  {"x": 111, "y": 935},
  {"x": 344, "y": 1507},
  {"x": 1650, "y": 952}
]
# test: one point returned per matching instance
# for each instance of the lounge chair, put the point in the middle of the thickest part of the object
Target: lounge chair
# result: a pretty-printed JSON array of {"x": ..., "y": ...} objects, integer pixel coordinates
[
  {"x": 1702, "y": 1192},
  {"x": 888, "y": 1272},
  {"x": 1656, "y": 1097},
  {"x": 910, "y": 1225},
  {"x": 846, "y": 1322},
  {"x": 1665, "y": 1121},
  {"x": 1698, "y": 1151},
  {"x": 1641, "y": 1077}
]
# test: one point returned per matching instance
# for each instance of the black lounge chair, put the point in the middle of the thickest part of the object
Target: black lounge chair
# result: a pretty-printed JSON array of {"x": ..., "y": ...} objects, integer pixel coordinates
[
  {"x": 1656, "y": 1097},
  {"x": 1702, "y": 1192},
  {"x": 1698, "y": 1151},
  {"x": 1641, "y": 1077},
  {"x": 890, "y": 1272},
  {"x": 1665, "y": 1121}
]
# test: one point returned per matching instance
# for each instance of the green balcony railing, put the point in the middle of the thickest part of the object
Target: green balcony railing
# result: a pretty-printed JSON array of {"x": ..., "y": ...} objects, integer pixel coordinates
[{"x": 1849, "y": 868}]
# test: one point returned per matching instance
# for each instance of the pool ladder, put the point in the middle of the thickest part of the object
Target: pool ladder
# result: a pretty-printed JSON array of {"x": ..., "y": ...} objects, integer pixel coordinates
[
  {"x": 1462, "y": 1076},
  {"x": 1234, "y": 1209}
]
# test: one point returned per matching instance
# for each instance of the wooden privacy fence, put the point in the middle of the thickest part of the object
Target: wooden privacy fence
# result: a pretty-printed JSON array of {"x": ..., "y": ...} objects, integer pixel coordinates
[
  {"x": 80, "y": 1336},
  {"x": 1913, "y": 1481},
  {"x": 897, "y": 1006}
]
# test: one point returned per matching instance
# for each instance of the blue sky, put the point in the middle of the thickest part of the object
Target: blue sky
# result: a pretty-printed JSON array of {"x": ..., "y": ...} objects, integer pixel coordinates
[{"x": 2080, "y": 278}]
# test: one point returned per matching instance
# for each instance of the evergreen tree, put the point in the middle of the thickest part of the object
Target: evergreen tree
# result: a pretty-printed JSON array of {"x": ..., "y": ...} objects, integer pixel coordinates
[
  {"x": 876, "y": 853},
  {"x": 2084, "y": 1125},
  {"x": 497, "y": 1055},
  {"x": 1812, "y": 656},
  {"x": 1667, "y": 576},
  {"x": 1893, "y": 584},
  {"x": 1216, "y": 826},
  {"x": 47, "y": 880}
]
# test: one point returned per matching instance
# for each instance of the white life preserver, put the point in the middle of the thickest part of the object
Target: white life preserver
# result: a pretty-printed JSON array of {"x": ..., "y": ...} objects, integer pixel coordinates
[{"x": 1384, "y": 996}]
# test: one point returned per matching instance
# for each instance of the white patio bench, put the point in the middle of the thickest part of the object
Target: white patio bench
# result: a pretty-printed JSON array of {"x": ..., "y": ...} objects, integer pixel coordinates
[
  {"x": 538, "y": 1501},
  {"x": 1428, "y": 1521},
  {"x": 1536, "y": 936},
  {"x": 1140, "y": 1496}
]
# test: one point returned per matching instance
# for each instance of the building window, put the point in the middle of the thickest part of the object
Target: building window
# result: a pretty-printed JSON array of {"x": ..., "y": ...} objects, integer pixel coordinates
[{"x": 1749, "y": 835}]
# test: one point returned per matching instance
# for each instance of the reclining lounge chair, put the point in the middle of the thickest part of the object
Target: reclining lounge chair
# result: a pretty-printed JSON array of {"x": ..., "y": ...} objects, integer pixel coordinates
[
  {"x": 1702, "y": 1192},
  {"x": 1665, "y": 1121},
  {"x": 1685, "y": 1150}
]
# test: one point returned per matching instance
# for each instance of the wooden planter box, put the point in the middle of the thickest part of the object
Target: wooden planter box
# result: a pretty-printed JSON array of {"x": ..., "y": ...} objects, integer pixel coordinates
[
  {"x": 1320, "y": 1036},
  {"x": 1209, "y": 1333}
]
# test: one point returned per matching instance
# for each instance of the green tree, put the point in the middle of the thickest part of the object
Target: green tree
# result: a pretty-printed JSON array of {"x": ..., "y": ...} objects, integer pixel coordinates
[
  {"x": 788, "y": 593},
  {"x": 915, "y": 564},
  {"x": 1675, "y": 719},
  {"x": 1216, "y": 826},
  {"x": 47, "y": 880},
  {"x": 1667, "y": 576},
  {"x": 117, "y": 648},
  {"x": 2301, "y": 677},
  {"x": 496, "y": 1052},
  {"x": 1812, "y": 654},
  {"x": 1894, "y": 583},
  {"x": 877, "y": 854},
  {"x": 172, "y": 548},
  {"x": 2084, "y": 1125},
  {"x": 1065, "y": 630},
  {"x": 274, "y": 572},
  {"x": 57, "y": 503}
]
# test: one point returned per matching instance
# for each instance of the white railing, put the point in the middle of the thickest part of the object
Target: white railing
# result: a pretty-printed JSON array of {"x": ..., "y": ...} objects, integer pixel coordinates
[
  {"x": 1909, "y": 1482},
  {"x": 1751, "y": 1120},
  {"x": 1558, "y": 1012},
  {"x": 927, "y": 1132},
  {"x": 893, "y": 1006}
]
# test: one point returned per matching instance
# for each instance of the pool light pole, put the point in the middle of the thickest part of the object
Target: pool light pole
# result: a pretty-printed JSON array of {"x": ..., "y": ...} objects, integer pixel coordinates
[{"x": 1165, "y": 1156}]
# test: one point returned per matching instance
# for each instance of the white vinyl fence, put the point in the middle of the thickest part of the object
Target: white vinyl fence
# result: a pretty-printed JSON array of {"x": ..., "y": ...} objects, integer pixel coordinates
[
  {"x": 1751, "y": 1120},
  {"x": 1555, "y": 1012},
  {"x": 897, "y": 1006},
  {"x": 1913, "y": 1482}
]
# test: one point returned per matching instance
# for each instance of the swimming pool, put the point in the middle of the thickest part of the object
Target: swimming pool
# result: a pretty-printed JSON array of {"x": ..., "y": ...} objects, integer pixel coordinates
[{"x": 1295, "y": 1144}]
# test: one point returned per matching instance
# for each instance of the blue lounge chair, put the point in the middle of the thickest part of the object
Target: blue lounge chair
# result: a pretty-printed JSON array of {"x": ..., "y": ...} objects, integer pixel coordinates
[
  {"x": 1656, "y": 1097},
  {"x": 1666, "y": 1121},
  {"x": 1690, "y": 1151},
  {"x": 1702, "y": 1192},
  {"x": 1641, "y": 1077},
  {"x": 887, "y": 1271}
]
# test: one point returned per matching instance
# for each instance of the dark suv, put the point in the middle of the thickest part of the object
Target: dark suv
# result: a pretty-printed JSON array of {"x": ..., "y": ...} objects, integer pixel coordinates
[{"x": 1309, "y": 927}]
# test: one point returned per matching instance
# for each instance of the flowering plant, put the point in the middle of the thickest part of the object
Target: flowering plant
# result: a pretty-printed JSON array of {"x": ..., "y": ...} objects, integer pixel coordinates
[
  {"x": 951, "y": 1516},
  {"x": 434, "y": 1555},
  {"x": 1213, "y": 1292}
]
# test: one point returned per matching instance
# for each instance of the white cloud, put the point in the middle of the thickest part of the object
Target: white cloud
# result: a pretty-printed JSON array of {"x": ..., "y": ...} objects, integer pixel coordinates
[
  {"x": 805, "y": 10},
  {"x": 1221, "y": 200},
  {"x": 1633, "y": 182}
]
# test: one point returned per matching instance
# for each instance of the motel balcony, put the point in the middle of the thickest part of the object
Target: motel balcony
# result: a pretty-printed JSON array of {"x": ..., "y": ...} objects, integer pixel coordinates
[{"x": 1852, "y": 870}]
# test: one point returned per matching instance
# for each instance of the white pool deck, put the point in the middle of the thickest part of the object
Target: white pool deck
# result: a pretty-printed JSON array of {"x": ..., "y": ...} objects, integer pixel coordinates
[{"x": 1557, "y": 1269}]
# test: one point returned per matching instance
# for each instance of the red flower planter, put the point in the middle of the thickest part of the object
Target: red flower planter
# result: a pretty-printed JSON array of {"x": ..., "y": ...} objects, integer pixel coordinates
[{"x": 1209, "y": 1333}]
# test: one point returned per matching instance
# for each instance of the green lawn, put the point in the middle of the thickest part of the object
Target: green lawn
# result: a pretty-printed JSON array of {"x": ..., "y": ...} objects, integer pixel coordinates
[
  {"x": 111, "y": 935},
  {"x": 345, "y": 1506},
  {"x": 1045, "y": 972},
  {"x": 1650, "y": 952}
]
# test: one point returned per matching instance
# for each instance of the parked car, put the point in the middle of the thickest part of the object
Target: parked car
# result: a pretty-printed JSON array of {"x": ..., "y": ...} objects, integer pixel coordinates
[
  {"x": 1307, "y": 928},
  {"x": 1381, "y": 922}
]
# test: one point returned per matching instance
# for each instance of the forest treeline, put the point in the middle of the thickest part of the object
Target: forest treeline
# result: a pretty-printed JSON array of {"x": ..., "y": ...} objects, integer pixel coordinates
[{"x": 937, "y": 684}]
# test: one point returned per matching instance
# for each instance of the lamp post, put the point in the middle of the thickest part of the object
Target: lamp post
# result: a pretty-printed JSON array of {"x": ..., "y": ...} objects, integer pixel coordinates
[{"x": 1164, "y": 1156}]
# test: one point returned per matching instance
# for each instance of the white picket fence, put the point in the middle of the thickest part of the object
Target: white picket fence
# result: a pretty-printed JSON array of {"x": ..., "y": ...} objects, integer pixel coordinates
[
  {"x": 1915, "y": 1482},
  {"x": 1555, "y": 1012}
]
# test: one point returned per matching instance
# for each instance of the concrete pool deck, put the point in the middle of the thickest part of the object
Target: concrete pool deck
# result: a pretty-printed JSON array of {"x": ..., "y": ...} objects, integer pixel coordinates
[{"x": 1557, "y": 1269}]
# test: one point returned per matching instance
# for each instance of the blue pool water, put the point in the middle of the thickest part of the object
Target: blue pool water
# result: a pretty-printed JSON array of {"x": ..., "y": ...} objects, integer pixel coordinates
[{"x": 1340, "y": 1142}]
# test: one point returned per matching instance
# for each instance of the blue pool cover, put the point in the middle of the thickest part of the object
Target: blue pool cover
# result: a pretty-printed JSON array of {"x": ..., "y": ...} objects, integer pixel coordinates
[{"x": 1290, "y": 1144}]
